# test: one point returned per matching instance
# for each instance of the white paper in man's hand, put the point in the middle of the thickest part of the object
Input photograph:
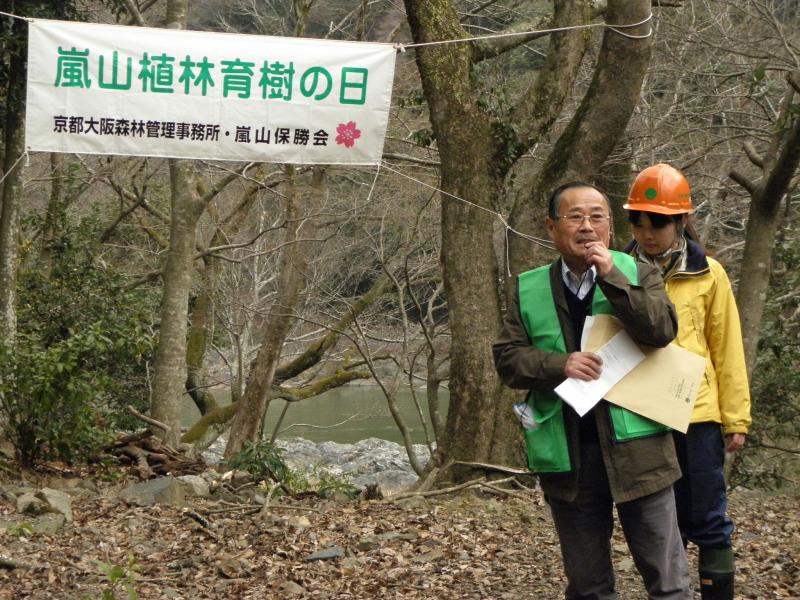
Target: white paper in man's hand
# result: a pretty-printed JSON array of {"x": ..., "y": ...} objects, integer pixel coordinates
[{"x": 619, "y": 355}]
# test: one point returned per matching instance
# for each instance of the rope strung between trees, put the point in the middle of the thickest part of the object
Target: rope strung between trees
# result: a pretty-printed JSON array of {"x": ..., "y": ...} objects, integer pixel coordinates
[
  {"x": 615, "y": 28},
  {"x": 402, "y": 47},
  {"x": 540, "y": 241},
  {"x": 27, "y": 19}
]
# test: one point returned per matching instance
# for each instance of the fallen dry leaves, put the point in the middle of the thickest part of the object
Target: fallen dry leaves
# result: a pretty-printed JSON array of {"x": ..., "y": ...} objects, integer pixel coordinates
[{"x": 466, "y": 547}]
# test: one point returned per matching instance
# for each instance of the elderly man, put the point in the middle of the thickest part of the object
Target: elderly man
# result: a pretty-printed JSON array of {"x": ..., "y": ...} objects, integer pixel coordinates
[{"x": 609, "y": 456}]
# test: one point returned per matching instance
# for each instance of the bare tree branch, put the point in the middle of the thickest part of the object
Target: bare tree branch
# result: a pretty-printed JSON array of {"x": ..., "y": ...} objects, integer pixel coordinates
[{"x": 743, "y": 181}]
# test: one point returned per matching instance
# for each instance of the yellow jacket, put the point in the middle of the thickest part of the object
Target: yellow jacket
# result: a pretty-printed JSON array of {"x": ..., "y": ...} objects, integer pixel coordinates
[{"x": 708, "y": 325}]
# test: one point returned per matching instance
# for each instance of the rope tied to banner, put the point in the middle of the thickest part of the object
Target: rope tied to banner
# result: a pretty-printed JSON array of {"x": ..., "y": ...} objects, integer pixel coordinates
[
  {"x": 615, "y": 28},
  {"x": 26, "y": 19}
]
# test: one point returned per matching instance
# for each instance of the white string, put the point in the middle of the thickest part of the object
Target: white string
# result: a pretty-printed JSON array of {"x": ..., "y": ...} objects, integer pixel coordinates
[
  {"x": 28, "y": 19},
  {"x": 542, "y": 242},
  {"x": 402, "y": 47},
  {"x": 614, "y": 28},
  {"x": 374, "y": 181},
  {"x": 16, "y": 162}
]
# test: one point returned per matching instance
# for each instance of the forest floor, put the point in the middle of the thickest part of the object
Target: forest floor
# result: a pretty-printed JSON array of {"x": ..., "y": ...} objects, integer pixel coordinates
[{"x": 467, "y": 546}]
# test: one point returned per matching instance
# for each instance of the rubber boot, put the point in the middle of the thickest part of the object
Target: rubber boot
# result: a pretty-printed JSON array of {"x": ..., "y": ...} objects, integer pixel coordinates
[{"x": 716, "y": 573}]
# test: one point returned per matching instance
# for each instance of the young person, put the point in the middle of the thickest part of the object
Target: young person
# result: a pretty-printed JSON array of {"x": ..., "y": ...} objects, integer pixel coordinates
[
  {"x": 610, "y": 456},
  {"x": 659, "y": 205}
]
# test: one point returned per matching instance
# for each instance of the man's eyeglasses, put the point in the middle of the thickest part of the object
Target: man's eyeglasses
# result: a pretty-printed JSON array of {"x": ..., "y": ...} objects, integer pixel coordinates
[{"x": 576, "y": 220}]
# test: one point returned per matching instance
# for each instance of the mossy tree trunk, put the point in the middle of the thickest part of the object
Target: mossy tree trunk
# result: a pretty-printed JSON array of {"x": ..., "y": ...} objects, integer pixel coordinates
[
  {"x": 476, "y": 154},
  {"x": 596, "y": 128}
]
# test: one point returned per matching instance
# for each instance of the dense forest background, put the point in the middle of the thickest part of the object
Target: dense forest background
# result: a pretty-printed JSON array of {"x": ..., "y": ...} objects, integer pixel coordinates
[{"x": 138, "y": 281}]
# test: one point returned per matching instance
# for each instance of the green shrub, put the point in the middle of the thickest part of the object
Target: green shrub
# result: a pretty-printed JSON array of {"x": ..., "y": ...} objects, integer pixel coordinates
[
  {"x": 770, "y": 458},
  {"x": 119, "y": 577},
  {"x": 49, "y": 399},
  {"x": 262, "y": 460},
  {"x": 80, "y": 355}
]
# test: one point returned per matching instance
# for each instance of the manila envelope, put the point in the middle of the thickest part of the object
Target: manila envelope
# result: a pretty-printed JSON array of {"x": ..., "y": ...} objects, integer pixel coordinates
[{"x": 663, "y": 387}]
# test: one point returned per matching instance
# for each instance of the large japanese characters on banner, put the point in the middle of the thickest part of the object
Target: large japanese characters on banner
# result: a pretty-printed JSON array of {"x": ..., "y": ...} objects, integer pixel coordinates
[{"x": 109, "y": 89}]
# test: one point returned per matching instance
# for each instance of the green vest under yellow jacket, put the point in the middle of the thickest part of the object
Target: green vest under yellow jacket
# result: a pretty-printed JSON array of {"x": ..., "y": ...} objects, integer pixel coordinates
[{"x": 548, "y": 451}]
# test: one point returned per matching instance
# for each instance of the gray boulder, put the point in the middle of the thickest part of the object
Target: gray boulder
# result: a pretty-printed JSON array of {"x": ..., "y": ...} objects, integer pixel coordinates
[
  {"x": 56, "y": 502},
  {"x": 194, "y": 485},
  {"x": 164, "y": 490}
]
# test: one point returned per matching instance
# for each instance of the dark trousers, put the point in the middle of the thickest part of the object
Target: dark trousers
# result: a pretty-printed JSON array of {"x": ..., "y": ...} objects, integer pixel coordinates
[
  {"x": 700, "y": 493},
  {"x": 650, "y": 525}
]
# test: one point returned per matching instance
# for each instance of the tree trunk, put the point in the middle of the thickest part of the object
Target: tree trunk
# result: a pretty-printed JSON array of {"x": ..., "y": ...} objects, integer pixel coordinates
[
  {"x": 470, "y": 270},
  {"x": 595, "y": 129},
  {"x": 247, "y": 422},
  {"x": 54, "y": 218},
  {"x": 12, "y": 187},
  {"x": 170, "y": 359},
  {"x": 778, "y": 168},
  {"x": 169, "y": 376}
]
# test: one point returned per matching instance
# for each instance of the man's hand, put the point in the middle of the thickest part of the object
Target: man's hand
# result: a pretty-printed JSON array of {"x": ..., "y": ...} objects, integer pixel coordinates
[
  {"x": 597, "y": 255},
  {"x": 583, "y": 365},
  {"x": 735, "y": 441}
]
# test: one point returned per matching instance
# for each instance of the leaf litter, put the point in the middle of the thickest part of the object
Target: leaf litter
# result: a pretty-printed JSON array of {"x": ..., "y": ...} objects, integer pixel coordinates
[{"x": 468, "y": 546}]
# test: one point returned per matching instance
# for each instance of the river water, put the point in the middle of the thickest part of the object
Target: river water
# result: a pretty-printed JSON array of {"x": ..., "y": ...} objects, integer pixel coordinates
[{"x": 344, "y": 415}]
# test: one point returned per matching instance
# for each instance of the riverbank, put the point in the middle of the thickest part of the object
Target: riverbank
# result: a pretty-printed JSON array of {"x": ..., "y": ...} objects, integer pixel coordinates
[{"x": 372, "y": 461}]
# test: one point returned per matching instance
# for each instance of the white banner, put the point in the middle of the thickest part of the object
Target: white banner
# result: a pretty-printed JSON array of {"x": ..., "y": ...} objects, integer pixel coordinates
[{"x": 109, "y": 89}]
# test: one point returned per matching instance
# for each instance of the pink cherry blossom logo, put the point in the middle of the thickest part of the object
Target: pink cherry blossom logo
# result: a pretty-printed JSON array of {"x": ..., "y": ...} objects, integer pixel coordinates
[{"x": 347, "y": 134}]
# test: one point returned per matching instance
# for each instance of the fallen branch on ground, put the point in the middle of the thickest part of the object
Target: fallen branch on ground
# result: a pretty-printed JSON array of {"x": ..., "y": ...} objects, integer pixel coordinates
[
  {"x": 11, "y": 564},
  {"x": 490, "y": 467}
]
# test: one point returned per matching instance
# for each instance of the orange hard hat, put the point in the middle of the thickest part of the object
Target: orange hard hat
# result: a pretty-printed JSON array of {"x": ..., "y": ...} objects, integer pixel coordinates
[{"x": 660, "y": 189}]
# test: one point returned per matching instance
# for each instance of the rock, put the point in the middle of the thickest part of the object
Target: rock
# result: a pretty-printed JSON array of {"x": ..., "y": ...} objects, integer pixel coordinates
[
  {"x": 298, "y": 523},
  {"x": 49, "y": 523},
  {"x": 73, "y": 485},
  {"x": 290, "y": 588},
  {"x": 195, "y": 486},
  {"x": 367, "y": 543},
  {"x": 56, "y": 501},
  {"x": 326, "y": 554},
  {"x": 300, "y": 453},
  {"x": 372, "y": 461},
  {"x": 232, "y": 567},
  {"x": 164, "y": 490},
  {"x": 390, "y": 482},
  {"x": 351, "y": 563},
  {"x": 29, "y": 504},
  {"x": 428, "y": 557},
  {"x": 237, "y": 478}
]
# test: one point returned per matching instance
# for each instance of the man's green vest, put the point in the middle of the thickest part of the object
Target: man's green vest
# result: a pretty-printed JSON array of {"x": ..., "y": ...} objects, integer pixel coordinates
[{"x": 548, "y": 451}]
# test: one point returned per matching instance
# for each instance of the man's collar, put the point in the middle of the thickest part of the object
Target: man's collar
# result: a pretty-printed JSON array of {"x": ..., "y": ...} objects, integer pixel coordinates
[
  {"x": 579, "y": 286},
  {"x": 588, "y": 276}
]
